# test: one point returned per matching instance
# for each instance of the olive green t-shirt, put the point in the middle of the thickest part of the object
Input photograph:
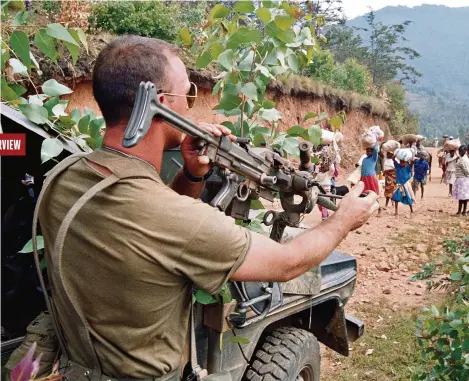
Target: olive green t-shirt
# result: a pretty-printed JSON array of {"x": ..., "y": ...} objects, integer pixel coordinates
[{"x": 130, "y": 259}]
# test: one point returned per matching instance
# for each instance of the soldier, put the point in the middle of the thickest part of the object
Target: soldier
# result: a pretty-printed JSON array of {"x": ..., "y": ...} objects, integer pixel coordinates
[{"x": 135, "y": 249}]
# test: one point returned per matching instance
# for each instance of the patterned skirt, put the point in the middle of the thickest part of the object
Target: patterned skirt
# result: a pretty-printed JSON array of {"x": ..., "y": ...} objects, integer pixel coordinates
[
  {"x": 404, "y": 194},
  {"x": 371, "y": 183},
  {"x": 450, "y": 177},
  {"x": 461, "y": 188},
  {"x": 389, "y": 182}
]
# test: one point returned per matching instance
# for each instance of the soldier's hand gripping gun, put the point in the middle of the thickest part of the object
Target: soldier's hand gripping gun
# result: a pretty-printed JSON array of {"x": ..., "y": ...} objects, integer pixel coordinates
[{"x": 247, "y": 172}]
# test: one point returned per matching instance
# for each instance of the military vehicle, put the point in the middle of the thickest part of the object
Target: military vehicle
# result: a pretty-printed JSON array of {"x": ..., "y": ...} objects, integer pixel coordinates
[{"x": 266, "y": 333}]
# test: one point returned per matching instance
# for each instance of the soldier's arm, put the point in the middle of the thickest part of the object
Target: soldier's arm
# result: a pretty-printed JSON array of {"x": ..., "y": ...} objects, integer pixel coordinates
[{"x": 268, "y": 260}]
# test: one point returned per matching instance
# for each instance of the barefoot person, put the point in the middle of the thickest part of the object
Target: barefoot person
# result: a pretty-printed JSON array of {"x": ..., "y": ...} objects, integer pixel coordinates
[
  {"x": 404, "y": 192},
  {"x": 420, "y": 173},
  {"x": 450, "y": 172},
  {"x": 389, "y": 177},
  {"x": 369, "y": 170},
  {"x": 461, "y": 184}
]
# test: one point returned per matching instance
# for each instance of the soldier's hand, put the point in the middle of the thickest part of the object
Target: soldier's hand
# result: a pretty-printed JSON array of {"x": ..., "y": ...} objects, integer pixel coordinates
[
  {"x": 199, "y": 165},
  {"x": 354, "y": 210}
]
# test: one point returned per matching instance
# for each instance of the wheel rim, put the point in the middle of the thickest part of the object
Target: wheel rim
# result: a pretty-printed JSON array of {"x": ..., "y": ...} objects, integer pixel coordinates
[{"x": 306, "y": 374}]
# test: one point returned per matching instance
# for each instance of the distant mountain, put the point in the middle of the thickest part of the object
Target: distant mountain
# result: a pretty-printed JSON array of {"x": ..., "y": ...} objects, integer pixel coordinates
[{"x": 441, "y": 35}]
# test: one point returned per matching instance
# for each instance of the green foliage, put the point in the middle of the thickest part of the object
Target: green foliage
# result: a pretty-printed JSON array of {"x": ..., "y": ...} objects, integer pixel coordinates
[
  {"x": 252, "y": 47},
  {"x": 443, "y": 334},
  {"x": 427, "y": 272},
  {"x": 45, "y": 107},
  {"x": 402, "y": 120},
  {"x": 155, "y": 18}
]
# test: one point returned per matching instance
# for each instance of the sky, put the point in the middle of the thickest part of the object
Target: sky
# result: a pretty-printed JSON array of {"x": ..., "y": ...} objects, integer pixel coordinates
[{"x": 354, "y": 8}]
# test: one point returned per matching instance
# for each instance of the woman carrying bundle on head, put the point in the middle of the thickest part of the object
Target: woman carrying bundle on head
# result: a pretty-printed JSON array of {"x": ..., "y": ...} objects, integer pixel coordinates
[
  {"x": 404, "y": 192},
  {"x": 389, "y": 170},
  {"x": 461, "y": 184}
]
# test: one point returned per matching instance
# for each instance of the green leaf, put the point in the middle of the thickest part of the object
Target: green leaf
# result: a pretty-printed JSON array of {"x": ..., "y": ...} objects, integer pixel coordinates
[
  {"x": 28, "y": 248},
  {"x": 268, "y": 4},
  {"x": 225, "y": 294},
  {"x": 19, "y": 42},
  {"x": 466, "y": 268},
  {"x": 72, "y": 48},
  {"x": 335, "y": 121},
  {"x": 284, "y": 22},
  {"x": 82, "y": 38},
  {"x": 53, "y": 88},
  {"x": 239, "y": 340},
  {"x": 66, "y": 122},
  {"x": 18, "y": 66},
  {"x": 203, "y": 60},
  {"x": 21, "y": 18},
  {"x": 5, "y": 56},
  {"x": 217, "y": 87},
  {"x": 19, "y": 90},
  {"x": 256, "y": 205},
  {"x": 244, "y": 7},
  {"x": 89, "y": 112},
  {"x": 250, "y": 90},
  {"x": 435, "y": 311},
  {"x": 314, "y": 135},
  {"x": 255, "y": 226},
  {"x": 229, "y": 101},
  {"x": 296, "y": 131},
  {"x": 264, "y": 71},
  {"x": 286, "y": 36},
  {"x": 83, "y": 124},
  {"x": 8, "y": 93},
  {"x": 271, "y": 115},
  {"x": 322, "y": 116},
  {"x": 310, "y": 115},
  {"x": 203, "y": 297},
  {"x": 290, "y": 146},
  {"x": 258, "y": 139},
  {"x": 226, "y": 60},
  {"x": 43, "y": 264},
  {"x": 219, "y": 11},
  {"x": 59, "y": 110},
  {"x": 50, "y": 104},
  {"x": 264, "y": 14},
  {"x": 243, "y": 36},
  {"x": 75, "y": 114},
  {"x": 46, "y": 44},
  {"x": 185, "y": 37},
  {"x": 99, "y": 142},
  {"x": 216, "y": 50},
  {"x": 268, "y": 104},
  {"x": 95, "y": 127},
  {"x": 456, "y": 276},
  {"x": 272, "y": 30},
  {"x": 231, "y": 126},
  {"x": 50, "y": 148},
  {"x": 293, "y": 63},
  {"x": 60, "y": 33},
  {"x": 35, "y": 113}
]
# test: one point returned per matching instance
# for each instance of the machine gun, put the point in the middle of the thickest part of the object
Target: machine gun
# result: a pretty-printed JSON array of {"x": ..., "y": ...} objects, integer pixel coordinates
[{"x": 247, "y": 172}]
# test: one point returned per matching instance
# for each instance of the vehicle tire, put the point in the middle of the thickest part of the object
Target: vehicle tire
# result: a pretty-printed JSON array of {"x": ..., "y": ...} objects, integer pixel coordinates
[{"x": 287, "y": 354}]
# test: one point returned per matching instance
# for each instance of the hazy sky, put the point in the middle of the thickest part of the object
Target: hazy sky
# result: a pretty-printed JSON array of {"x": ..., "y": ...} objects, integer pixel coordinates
[{"x": 354, "y": 8}]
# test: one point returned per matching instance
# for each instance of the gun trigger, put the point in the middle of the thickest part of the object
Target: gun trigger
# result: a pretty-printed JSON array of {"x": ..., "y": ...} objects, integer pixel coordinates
[{"x": 200, "y": 145}]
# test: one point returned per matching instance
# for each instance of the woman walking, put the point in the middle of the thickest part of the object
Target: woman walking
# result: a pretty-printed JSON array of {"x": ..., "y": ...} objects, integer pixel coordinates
[
  {"x": 389, "y": 177},
  {"x": 404, "y": 192},
  {"x": 461, "y": 184}
]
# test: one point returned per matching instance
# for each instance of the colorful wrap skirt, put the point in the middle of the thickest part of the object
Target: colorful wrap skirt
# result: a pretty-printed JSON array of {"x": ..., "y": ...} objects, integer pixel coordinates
[
  {"x": 461, "y": 188},
  {"x": 404, "y": 194},
  {"x": 389, "y": 182},
  {"x": 371, "y": 183}
]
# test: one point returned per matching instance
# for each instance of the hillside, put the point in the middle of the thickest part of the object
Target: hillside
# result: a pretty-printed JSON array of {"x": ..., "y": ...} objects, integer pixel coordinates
[{"x": 441, "y": 36}]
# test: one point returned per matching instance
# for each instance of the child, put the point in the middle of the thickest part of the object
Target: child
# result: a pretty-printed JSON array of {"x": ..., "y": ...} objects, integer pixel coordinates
[
  {"x": 420, "y": 173},
  {"x": 404, "y": 192},
  {"x": 450, "y": 170},
  {"x": 389, "y": 177},
  {"x": 461, "y": 184},
  {"x": 369, "y": 169}
]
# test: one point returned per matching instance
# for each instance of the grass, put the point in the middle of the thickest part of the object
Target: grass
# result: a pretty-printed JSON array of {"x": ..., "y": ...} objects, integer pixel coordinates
[{"x": 391, "y": 337}]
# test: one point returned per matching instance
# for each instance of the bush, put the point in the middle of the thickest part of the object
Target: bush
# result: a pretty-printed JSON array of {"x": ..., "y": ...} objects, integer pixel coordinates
[
  {"x": 443, "y": 335},
  {"x": 402, "y": 120},
  {"x": 349, "y": 75},
  {"x": 156, "y": 19}
]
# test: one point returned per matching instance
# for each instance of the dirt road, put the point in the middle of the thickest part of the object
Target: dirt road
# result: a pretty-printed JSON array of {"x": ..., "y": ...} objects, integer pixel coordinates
[{"x": 390, "y": 249}]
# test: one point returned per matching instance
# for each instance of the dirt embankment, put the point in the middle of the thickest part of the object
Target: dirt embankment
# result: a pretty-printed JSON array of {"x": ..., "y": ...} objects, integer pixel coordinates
[{"x": 294, "y": 108}]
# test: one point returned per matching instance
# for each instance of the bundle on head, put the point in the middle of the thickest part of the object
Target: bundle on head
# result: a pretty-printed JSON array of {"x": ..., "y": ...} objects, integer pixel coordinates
[
  {"x": 404, "y": 154},
  {"x": 390, "y": 146},
  {"x": 453, "y": 145},
  {"x": 408, "y": 139},
  {"x": 367, "y": 140}
]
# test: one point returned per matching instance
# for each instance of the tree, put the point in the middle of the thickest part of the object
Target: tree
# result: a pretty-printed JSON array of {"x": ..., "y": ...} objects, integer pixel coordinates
[
  {"x": 386, "y": 58},
  {"x": 345, "y": 44}
]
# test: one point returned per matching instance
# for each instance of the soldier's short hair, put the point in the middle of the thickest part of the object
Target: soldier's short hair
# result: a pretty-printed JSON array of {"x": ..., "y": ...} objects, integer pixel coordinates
[{"x": 121, "y": 66}]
